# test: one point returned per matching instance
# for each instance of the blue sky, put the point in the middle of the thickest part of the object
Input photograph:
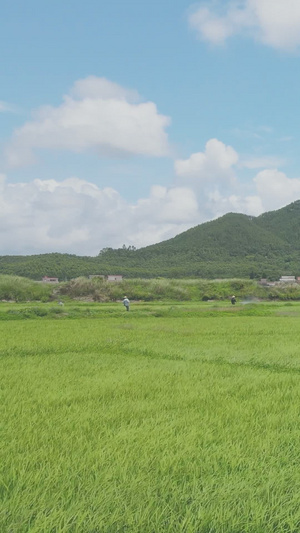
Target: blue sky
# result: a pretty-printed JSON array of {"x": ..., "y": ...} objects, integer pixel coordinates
[{"x": 130, "y": 122}]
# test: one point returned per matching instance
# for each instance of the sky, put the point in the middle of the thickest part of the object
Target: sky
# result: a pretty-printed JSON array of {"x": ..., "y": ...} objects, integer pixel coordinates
[{"x": 129, "y": 122}]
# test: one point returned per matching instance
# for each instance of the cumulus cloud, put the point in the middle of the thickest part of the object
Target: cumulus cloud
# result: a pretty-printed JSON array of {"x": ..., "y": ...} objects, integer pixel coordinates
[
  {"x": 75, "y": 216},
  {"x": 94, "y": 87},
  {"x": 275, "y": 23},
  {"x": 271, "y": 190},
  {"x": 97, "y": 115},
  {"x": 219, "y": 205},
  {"x": 216, "y": 26},
  {"x": 275, "y": 189},
  {"x": 216, "y": 178},
  {"x": 209, "y": 169},
  {"x": 175, "y": 205}
]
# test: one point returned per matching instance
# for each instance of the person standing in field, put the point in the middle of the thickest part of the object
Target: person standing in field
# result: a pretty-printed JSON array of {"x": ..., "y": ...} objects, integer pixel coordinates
[
  {"x": 233, "y": 300},
  {"x": 126, "y": 302}
]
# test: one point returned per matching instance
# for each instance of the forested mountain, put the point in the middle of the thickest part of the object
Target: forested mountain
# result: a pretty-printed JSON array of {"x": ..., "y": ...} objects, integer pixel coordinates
[
  {"x": 285, "y": 223},
  {"x": 234, "y": 245}
]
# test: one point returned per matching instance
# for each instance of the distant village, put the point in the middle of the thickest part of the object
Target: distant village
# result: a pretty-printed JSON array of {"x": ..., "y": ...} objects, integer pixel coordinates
[
  {"x": 111, "y": 278},
  {"x": 288, "y": 280},
  {"x": 117, "y": 278}
]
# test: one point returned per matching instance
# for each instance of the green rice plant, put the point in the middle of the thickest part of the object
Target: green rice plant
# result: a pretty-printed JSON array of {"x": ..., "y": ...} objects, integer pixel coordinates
[{"x": 184, "y": 422}]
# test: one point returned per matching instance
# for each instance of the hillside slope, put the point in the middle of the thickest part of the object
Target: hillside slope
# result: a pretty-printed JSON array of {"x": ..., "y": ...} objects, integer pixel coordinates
[
  {"x": 285, "y": 223},
  {"x": 231, "y": 236}
]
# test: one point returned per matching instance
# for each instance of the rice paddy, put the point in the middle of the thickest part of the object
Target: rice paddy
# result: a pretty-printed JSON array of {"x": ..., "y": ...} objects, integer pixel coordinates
[{"x": 170, "y": 418}]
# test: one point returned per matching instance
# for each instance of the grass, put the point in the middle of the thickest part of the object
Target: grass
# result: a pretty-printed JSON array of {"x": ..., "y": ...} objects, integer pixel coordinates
[{"x": 170, "y": 418}]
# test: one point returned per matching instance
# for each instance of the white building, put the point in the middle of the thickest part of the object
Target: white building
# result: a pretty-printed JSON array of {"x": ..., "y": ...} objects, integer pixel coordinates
[
  {"x": 114, "y": 278},
  {"x": 287, "y": 279},
  {"x": 46, "y": 279}
]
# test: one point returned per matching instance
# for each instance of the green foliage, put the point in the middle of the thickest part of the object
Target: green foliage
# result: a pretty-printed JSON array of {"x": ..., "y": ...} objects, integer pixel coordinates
[
  {"x": 157, "y": 289},
  {"x": 169, "y": 421},
  {"x": 162, "y": 289},
  {"x": 22, "y": 289},
  {"x": 13, "y": 288},
  {"x": 284, "y": 223}
]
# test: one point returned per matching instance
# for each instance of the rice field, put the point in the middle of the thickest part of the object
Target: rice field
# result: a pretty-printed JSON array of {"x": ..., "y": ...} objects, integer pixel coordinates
[{"x": 170, "y": 418}]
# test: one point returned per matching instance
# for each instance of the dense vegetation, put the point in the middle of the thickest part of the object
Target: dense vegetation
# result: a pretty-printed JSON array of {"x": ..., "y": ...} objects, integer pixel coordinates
[
  {"x": 233, "y": 246},
  {"x": 21, "y": 289},
  {"x": 18, "y": 289},
  {"x": 167, "y": 419}
]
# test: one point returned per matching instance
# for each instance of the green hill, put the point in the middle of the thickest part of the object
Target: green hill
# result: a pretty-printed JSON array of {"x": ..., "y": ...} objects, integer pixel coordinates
[
  {"x": 231, "y": 236},
  {"x": 285, "y": 223},
  {"x": 234, "y": 245}
]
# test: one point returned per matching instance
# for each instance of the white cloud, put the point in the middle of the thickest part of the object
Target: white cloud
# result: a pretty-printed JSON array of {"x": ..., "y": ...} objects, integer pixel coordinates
[
  {"x": 216, "y": 28},
  {"x": 75, "y": 216},
  {"x": 175, "y": 205},
  {"x": 271, "y": 190},
  {"x": 98, "y": 115},
  {"x": 275, "y": 189},
  {"x": 94, "y": 87},
  {"x": 216, "y": 178},
  {"x": 234, "y": 203},
  {"x": 211, "y": 167},
  {"x": 275, "y": 23}
]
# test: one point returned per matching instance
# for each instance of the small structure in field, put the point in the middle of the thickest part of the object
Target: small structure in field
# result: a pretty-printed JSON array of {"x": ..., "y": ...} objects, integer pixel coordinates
[
  {"x": 46, "y": 279},
  {"x": 264, "y": 281},
  {"x": 114, "y": 278}
]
